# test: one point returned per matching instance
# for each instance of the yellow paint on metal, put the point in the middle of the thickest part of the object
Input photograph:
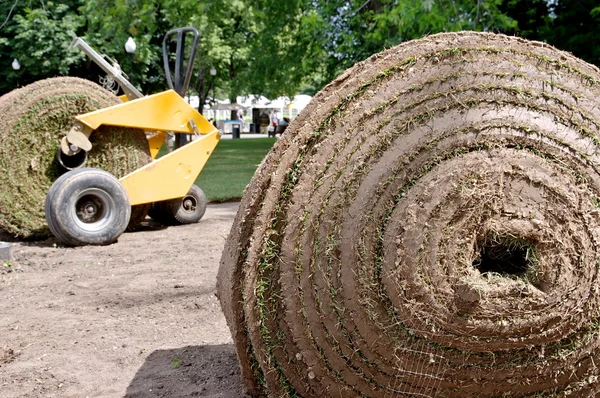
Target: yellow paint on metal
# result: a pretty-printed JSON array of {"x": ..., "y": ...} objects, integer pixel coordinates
[
  {"x": 165, "y": 111},
  {"x": 155, "y": 142},
  {"x": 172, "y": 175}
]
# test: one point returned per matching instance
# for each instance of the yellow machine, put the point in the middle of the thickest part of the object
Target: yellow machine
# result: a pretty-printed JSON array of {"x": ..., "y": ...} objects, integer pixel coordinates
[{"x": 90, "y": 206}]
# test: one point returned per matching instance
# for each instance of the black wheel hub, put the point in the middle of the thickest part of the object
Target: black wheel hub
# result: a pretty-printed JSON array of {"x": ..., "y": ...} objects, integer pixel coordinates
[
  {"x": 189, "y": 204},
  {"x": 90, "y": 209}
]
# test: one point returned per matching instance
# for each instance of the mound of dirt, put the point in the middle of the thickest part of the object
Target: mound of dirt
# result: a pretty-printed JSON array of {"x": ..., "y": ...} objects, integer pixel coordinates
[
  {"x": 429, "y": 226},
  {"x": 34, "y": 119}
]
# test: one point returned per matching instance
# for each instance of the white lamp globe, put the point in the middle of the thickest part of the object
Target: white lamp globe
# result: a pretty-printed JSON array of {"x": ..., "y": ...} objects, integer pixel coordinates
[{"x": 130, "y": 46}]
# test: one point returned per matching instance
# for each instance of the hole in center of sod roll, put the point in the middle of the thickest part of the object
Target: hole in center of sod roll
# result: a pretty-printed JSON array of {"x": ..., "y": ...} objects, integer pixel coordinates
[{"x": 507, "y": 256}]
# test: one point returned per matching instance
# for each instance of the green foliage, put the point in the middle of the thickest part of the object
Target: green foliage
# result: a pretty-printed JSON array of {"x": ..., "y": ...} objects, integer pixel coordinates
[
  {"x": 259, "y": 47},
  {"x": 356, "y": 29},
  {"x": 266, "y": 47},
  {"x": 532, "y": 17},
  {"x": 39, "y": 39},
  {"x": 576, "y": 28},
  {"x": 286, "y": 49},
  {"x": 109, "y": 24},
  {"x": 225, "y": 28},
  {"x": 175, "y": 363}
]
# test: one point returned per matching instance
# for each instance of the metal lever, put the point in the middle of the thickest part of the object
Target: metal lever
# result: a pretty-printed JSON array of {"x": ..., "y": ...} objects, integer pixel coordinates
[{"x": 128, "y": 88}]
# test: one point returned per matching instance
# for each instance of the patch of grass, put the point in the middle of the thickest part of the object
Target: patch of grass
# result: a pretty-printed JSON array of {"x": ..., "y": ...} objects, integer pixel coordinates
[
  {"x": 176, "y": 363},
  {"x": 231, "y": 167}
]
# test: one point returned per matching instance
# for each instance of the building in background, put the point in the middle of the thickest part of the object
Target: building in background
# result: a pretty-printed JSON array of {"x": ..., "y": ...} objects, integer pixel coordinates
[{"x": 252, "y": 108}]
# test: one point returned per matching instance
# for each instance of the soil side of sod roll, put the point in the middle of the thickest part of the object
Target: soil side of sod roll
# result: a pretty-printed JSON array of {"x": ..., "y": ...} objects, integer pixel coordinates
[
  {"x": 427, "y": 227},
  {"x": 34, "y": 119}
]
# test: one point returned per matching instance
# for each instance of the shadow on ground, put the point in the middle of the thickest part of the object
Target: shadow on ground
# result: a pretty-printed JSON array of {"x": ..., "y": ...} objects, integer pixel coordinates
[{"x": 193, "y": 371}]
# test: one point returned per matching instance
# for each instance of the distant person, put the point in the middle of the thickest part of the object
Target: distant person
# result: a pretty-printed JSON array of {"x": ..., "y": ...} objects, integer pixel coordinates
[
  {"x": 282, "y": 126},
  {"x": 274, "y": 123},
  {"x": 240, "y": 116}
]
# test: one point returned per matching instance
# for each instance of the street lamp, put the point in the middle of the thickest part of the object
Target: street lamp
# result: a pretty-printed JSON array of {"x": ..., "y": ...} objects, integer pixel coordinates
[
  {"x": 130, "y": 48},
  {"x": 16, "y": 66}
]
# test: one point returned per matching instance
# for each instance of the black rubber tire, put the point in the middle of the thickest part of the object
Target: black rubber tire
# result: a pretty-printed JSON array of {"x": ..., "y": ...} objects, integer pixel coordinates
[
  {"x": 187, "y": 210},
  {"x": 191, "y": 208},
  {"x": 102, "y": 195}
]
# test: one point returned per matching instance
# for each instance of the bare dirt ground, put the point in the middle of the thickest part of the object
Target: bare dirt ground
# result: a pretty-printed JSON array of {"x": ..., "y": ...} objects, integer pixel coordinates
[{"x": 138, "y": 318}]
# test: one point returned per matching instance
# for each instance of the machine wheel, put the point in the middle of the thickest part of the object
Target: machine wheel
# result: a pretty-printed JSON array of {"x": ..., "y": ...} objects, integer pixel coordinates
[
  {"x": 187, "y": 210},
  {"x": 191, "y": 208},
  {"x": 87, "y": 207}
]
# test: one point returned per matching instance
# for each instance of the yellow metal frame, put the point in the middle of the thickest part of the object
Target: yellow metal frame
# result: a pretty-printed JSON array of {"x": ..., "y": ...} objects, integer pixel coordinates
[
  {"x": 172, "y": 175},
  {"x": 165, "y": 111}
]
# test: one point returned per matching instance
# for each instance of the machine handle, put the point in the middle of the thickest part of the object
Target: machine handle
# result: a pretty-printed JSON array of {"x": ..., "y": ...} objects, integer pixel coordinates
[{"x": 182, "y": 82}]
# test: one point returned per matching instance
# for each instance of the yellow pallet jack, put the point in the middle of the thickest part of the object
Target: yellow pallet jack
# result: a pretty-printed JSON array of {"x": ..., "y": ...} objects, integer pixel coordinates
[{"x": 90, "y": 206}]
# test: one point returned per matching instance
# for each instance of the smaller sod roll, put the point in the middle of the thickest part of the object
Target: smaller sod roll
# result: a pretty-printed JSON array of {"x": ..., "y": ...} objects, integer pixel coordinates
[
  {"x": 428, "y": 226},
  {"x": 34, "y": 119}
]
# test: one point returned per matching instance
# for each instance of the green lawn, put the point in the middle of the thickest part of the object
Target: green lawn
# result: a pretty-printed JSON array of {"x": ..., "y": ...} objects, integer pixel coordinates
[{"x": 231, "y": 167}]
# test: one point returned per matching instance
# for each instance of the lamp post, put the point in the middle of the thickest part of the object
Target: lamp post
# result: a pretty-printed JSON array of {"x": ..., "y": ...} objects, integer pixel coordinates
[
  {"x": 213, "y": 73},
  {"x": 130, "y": 48},
  {"x": 16, "y": 66}
]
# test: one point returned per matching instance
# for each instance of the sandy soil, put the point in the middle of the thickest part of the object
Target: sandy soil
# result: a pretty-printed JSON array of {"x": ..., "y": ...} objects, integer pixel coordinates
[{"x": 138, "y": 318}]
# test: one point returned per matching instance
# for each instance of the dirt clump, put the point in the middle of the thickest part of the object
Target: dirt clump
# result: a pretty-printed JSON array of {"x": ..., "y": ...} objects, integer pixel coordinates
[{"x": 427, "y": 227}]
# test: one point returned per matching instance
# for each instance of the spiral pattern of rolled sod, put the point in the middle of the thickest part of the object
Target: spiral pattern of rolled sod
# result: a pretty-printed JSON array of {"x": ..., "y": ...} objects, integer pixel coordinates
[
  {"x": 428, "y": 227},
  {"x": 34, "y": 120}
]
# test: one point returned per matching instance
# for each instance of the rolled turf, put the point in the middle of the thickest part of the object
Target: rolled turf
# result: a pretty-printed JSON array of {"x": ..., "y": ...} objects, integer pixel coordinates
[
  {"x": 34, "y": 119},
  {"x": 428, "y": 226}
]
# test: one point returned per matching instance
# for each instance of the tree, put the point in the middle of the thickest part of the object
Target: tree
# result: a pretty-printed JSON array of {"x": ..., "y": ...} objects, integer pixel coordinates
[
  {"x": 265, "y": 47},
  {"x": 257, "y": 47},
  {"x": 38, "y": 37},
  {"x": 532, "y": 17},
  {"x": 285, "y": 48},
  {"x": 576, "y": 28},
  {"x": 110, "y": 24},
  {"x": 222, "y": 28},
  {"x": 355, "y": 29}
]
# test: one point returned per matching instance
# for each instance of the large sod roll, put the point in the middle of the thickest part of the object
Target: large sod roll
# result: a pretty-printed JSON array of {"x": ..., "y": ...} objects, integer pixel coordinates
[
  {"x": 34, "y": 119},
  {"x": 428, "y": 227}
]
